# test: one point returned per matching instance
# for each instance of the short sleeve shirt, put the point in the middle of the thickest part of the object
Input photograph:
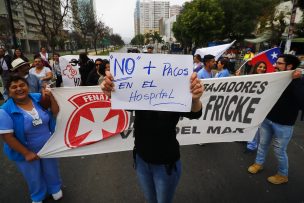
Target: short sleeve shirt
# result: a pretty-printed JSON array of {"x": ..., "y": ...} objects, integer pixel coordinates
[
  {"x": 42, "y": 74},
  {"x": 203, "y": 74},
  {"x": 6, "y": 124}
]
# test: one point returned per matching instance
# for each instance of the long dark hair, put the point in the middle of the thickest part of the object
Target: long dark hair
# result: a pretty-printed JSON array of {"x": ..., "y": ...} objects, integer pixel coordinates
[
  {"x": 102, "y": 68},
  {"x": 83, "y": 58},
  {"x": 21, "y": 56},
  {"x": 255, "y": 67}
]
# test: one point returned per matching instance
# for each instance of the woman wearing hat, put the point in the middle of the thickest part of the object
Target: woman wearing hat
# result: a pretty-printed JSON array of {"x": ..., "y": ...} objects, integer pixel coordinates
[{"x": 21, "y": 67}]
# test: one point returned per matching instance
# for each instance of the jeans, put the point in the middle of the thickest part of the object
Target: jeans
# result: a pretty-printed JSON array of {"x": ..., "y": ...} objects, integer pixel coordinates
[
  {"x": 253, "y": 145},
  {"x": 157, "y": 181},
  {"x": 280, "y": 135}
]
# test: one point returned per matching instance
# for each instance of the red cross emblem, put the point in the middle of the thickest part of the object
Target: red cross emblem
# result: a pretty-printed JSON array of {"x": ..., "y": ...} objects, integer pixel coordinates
[{"x": 93, "y": 120}]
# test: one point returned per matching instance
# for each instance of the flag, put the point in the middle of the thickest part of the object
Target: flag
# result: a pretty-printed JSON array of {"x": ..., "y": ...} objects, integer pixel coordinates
[
  {"x": 269, "y": 56},
  {"x": 216, "y": 51}
]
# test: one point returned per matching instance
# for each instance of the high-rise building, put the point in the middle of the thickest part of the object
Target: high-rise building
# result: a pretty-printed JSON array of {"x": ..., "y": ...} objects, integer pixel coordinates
[
  {"x": 147, "y": 15},
  {"x": 76, "y": 4},
  {"x": 175, "y": 10},
  {"x": 27, "y": 27}
]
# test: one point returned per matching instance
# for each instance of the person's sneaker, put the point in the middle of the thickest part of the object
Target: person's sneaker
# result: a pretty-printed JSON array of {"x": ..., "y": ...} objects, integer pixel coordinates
[
  {"x": 254, "y": 168},
  {"x": 277, "y": 179},
  {"x": 58, "y": 195}
]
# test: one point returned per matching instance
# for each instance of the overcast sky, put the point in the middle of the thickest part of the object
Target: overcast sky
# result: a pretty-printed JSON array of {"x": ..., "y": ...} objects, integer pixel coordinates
[{"x": 119, "y": 15}]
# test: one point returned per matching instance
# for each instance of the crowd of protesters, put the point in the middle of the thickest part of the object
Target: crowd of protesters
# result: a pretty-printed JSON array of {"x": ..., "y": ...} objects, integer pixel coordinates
[{"x": 37, "y": 107}]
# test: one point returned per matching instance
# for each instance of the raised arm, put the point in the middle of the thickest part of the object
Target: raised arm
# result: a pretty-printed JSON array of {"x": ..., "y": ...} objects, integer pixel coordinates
[
  {"x": 197, "y": 90},
  {"x": 107, "y": 85}
]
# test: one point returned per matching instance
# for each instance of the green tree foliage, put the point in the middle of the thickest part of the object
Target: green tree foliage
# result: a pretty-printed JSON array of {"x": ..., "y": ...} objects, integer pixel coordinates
[
  {"x": 138, "y": 40},
  {"x": 200, "y": 21},
  {"x": 242, "y": 17},
  {"x": 116, "y": 40}
]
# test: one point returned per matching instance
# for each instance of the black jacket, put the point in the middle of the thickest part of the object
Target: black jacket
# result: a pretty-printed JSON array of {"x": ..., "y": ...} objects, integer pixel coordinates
[
  {"x": 285, "y": 111},
  {"x": 8, "y": 61}
]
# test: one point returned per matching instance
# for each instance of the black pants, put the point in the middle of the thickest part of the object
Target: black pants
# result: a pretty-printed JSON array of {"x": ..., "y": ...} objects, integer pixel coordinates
[{"x": 58, "y": 80}]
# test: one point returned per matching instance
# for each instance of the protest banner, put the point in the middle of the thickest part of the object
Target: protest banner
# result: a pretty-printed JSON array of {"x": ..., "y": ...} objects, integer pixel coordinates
[
  {"x": 70, "y": 69},
  {"x": 216, "y": 51},
  {"x": 151, "y": 81},
  {"x": 233, "y": 108}
]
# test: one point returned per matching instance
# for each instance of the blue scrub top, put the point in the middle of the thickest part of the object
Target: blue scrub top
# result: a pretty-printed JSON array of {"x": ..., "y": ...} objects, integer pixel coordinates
[
  {"x": 203, "y": 74},
  {"x": 36, "y": 136},
  {"x": 223, "y": 73}
]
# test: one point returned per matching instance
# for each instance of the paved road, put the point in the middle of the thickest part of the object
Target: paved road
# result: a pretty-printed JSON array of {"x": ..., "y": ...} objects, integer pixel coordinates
[{"x": 211, "y": 173}]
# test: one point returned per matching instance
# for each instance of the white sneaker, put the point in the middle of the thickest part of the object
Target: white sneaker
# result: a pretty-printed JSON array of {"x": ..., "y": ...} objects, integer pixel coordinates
[{"x": 58, "y": 195}]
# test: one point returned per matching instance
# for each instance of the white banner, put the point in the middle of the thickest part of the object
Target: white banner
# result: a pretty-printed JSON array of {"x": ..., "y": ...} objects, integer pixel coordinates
[
  {"x": 70, "y": 69},
  {"x": 216, "y": 51},
  {"x": 151, "y": 81},
  {"x": 233, "y": 108}
]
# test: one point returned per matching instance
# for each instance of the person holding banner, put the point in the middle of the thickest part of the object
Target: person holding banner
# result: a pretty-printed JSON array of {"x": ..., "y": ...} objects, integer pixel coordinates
[
  {"x": 97, "y": 73},
  {"x": 25, "y": 127},
  {"x": 259, "y": 68},
  {"x": 156, "y": 152},
  {"x": 43, "y": 73},
  {"x": 277, "y": 128}
]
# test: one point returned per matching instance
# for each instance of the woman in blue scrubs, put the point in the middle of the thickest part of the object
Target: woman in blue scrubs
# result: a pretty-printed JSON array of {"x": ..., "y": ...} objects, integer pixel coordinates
[{"x": 25, "y": 127}]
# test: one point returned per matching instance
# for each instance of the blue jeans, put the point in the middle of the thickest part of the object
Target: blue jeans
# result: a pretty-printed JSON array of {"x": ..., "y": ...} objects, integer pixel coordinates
[
  {"x": 157, "y": 182},
  {"x": 280, "y": 135},
  {"x": 253, "y": 145}
]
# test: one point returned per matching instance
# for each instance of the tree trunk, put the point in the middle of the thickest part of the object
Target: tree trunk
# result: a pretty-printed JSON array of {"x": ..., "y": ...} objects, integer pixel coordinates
[
  {"x": 95, "y": 46},
  {"x": 85, "y": 44}
]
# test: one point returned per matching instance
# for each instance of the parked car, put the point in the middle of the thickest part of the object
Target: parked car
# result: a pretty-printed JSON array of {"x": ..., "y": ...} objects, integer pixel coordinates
[{"x": 133, "y": 50}]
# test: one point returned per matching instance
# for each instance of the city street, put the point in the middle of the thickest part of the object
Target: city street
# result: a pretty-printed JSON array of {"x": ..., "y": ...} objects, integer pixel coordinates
[{"x": 211, "y": 173}]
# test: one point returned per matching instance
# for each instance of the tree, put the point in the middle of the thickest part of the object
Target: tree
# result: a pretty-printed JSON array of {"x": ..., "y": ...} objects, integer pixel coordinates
[
  {"x": 4, "y": 32},
  {"x": 241, "y": 17},
  {"x": 50, "y": 16},
  {"x": 200, "y": 21},
  {"x": 138, "y": 40},
  {"x": 116, "y": 40},
  {"x": 83, "y": 18},
  {"x": 99, "y": 31}
]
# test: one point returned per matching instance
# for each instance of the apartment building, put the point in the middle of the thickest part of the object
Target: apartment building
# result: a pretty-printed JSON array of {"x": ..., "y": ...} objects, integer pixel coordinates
[
  {"x": 27, "y": 28},
  {"x": 147, "y": 15},
  {"x": 175, "y": 10}
]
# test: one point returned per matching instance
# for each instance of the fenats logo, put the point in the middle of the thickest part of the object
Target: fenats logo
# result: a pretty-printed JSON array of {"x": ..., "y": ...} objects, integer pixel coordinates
[
  {"x": 93, "y": 120},
  {"x": 70, "y": 71}
]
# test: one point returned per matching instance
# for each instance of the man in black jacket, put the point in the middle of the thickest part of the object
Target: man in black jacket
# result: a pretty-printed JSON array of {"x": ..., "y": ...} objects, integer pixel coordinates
[
  {"x": 5, "y": 67},
  {"x": 156, "y": 150},
  {"x": 277, "y": 128}
]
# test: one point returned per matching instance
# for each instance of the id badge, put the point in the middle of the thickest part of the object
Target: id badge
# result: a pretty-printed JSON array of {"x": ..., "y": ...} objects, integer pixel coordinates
[{"x": 37, "y": 122}]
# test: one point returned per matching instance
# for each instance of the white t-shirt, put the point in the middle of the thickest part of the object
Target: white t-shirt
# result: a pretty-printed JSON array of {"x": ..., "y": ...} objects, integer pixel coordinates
[{"x": 42, "y": 74}]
